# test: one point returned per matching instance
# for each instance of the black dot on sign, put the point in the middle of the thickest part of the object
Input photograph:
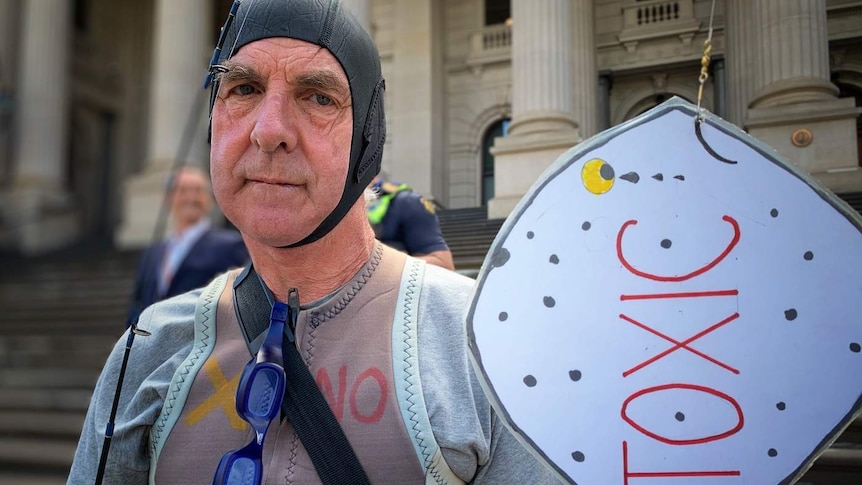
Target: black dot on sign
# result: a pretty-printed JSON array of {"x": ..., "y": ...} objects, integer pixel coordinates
[
  {"x": 774, "y": 212},
  {"x": 504, "y": 316},
  {"x": 679, "y": 416},
  {"x": 586, "y": 225},
  {"x": 781, "y": 406},
  {"x": 855, "y": 347},
  {"x": 530, "y": 235},
  {"x": 549, "y": 301},
  {"x": 665, "y": 243},
  {"x": 772, "y": 452},
  {"x": 554, "y": 259},
  {"x": 606, "y": 172},
  {"x": 632, "y": 177},
  {"x": 578, "y": 456},
  {"x": 658, "y": 177},
  {"x": 501, "y": 256},
  {"x": 530, "y": 381},
  {"x": 791, "y": 314},
  {"x": 575, "y": 375},
  {"x": 808, "y": 255}
]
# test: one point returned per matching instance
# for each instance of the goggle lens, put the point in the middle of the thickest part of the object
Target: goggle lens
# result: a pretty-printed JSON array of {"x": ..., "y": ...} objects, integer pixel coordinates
[
  {"x": 243, "y": 471},
  {"x": 262, "y": 400}
]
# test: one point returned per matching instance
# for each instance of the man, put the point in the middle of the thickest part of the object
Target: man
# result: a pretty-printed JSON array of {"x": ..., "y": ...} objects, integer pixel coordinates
[
  {"x": 193, "y": 254},
  {"x": 407, "y": 221},
  {"x": 297, "y": 134}
]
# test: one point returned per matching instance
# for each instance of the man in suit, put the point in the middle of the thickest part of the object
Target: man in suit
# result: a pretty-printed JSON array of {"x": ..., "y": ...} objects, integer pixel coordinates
[{"x": 193, "y": 253}]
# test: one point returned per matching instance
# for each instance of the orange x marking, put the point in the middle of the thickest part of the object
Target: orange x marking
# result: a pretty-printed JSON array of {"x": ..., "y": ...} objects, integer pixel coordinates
[{"x": 223, "y": 397}]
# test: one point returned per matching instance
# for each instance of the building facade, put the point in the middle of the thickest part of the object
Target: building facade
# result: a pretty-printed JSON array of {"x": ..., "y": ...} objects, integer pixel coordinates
[{"x": 100, "y": 98}]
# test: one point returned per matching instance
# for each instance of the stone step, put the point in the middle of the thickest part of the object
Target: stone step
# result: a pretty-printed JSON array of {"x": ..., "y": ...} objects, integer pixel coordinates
[
  {"x": 471, "y": 237},
  {"x": 64, "y": 400},
  {"x": 16, "y": 451},
  {"x": 32, "y": 477},
  {"x": 49, "y": 424},
  {"x": 48, "y": 378},
  {"x": 470, "y": 213},
  {"x": 63, "y": 276},
  {"x": 91, "y": 357},
  {"x": 115, "y": 303},
  {"x": 470, "y": 252},
  {"x": 55, "y": 290},
  {"x": 61, "y": 313},
  {"x": 45, "y": 343},
  {"x": 841, "y": 457},
  {"x": 478, "y": 226},
  {"x": 469, "y": 263},
  {"x": 108, "y": 326}
]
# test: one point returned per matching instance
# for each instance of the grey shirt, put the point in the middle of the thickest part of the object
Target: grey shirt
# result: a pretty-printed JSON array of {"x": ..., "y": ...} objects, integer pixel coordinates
[{"x": 474, "y": 442}]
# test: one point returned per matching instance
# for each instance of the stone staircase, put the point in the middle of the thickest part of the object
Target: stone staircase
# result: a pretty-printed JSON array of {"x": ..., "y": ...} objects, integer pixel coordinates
[
  {"x": 469, "y": 234},
  {"x": 62, "y": 314}
]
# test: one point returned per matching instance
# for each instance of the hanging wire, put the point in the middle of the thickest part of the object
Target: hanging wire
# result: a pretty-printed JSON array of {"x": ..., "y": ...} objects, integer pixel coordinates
[
  {"x": 704, "y": 62},
  {"x": 704, "y": 75}
]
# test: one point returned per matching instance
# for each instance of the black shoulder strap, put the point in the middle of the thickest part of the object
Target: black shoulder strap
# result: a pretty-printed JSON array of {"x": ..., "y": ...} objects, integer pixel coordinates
[{"x": 304, "y": 404}]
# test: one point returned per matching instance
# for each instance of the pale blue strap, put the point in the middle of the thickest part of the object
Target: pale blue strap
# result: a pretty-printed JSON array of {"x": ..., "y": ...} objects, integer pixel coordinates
[
  {"x": 184, "y": 377},
  {"x": 408, "y": 385}
]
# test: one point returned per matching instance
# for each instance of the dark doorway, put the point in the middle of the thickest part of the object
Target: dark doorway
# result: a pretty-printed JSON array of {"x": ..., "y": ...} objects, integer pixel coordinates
[
  {"x": 497, "y": 11},
  {"x": 500, "y": 129}
]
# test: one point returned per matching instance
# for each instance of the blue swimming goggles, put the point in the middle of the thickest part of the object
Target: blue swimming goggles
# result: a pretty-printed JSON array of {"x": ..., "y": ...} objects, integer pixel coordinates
[{"x": 259, "y": 397}]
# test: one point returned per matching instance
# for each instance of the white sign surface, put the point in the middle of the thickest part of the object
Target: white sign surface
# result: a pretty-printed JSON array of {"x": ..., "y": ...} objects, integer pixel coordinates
[{"x": 652, "y": 313}]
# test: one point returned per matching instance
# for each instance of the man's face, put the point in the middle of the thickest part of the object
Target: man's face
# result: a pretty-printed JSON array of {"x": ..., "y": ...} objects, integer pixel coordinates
[
  {"x": 190, "y": 197},
  {"x": 281, "y": 130}
]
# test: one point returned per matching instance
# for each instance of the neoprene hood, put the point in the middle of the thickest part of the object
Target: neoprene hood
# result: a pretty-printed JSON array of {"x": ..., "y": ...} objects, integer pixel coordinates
[{"x": 327, "y": 24}]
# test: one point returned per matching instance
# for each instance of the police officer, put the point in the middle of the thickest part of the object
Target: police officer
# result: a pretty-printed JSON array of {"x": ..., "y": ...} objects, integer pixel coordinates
[{"x": 406, "y": 221}]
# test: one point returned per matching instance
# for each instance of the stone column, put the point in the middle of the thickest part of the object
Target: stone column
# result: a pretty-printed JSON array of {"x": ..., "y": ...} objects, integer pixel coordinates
[
  {"x": 740, "y": 59},
  {"x": 544, "y": 115},
  {"x": 542, "y": 69},
  {"x": 183, "y": 41},
  {"x": 719, "y": 83},
  {"x": 39, "y": 207},
  {"x": 9, "y": 21},
  {"x": 793, "y": 96},
  {"x": 792, "y": 49},
  {"x": 361, "y": 9},
  {"x": 604, "y": 105},
  {"x": 415, "y": 89},
  {"x": 585, "y": 82}
]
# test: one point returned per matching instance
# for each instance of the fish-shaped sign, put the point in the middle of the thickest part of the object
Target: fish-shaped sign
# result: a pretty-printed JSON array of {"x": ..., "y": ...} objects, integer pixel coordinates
[{"x": 673, "y": 302}]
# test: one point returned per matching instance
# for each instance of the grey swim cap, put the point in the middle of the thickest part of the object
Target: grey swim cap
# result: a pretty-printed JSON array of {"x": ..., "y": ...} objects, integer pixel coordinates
[{"x": 327, "y": 24}]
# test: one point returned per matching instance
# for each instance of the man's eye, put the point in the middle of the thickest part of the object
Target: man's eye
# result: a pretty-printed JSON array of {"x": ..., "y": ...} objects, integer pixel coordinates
[
  {"x": 322, "y": 100},
  {"x": 243, "y": 89}
]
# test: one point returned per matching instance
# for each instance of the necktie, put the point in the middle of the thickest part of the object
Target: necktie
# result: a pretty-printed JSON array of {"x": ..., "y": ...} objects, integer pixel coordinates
[{"x": 167, "y": 273}]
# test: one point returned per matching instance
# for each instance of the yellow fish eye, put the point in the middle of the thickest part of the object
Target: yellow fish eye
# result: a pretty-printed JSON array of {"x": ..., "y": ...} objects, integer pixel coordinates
[{"x": 598, "y": 176}]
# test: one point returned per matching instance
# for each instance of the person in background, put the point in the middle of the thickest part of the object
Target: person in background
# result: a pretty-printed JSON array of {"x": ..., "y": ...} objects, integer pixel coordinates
[
  {"x": 193, "y": 253},
  {"x": 406, "y": 221},
  {"x": 298, "y": 130}
]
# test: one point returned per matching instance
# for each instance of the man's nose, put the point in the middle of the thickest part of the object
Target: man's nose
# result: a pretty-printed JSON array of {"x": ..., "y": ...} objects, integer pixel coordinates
[{"x": 275, "y": 126}]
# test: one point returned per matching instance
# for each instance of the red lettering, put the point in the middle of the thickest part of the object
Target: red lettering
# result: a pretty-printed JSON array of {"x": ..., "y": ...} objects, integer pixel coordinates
[
  {"x": 375, "y": 416},
  {"x": 684, "y": 294},
  {"x": 701, "y": 473},
  {"x": 679, "y": 345},
  {"x": 684, "y": 277},
  {"x": 325, "y": 385},
  {"x": 706, "y": 439}
]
